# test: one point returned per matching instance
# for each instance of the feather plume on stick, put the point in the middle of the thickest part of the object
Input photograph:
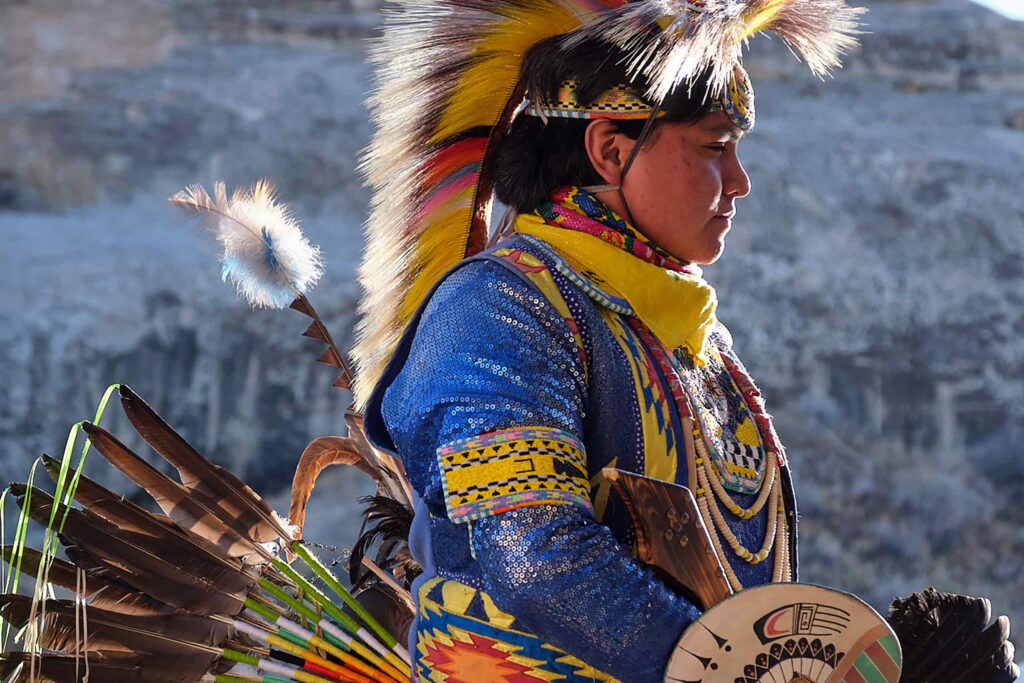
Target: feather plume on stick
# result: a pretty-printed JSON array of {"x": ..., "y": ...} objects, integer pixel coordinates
[{"x": 266, "y": 256}]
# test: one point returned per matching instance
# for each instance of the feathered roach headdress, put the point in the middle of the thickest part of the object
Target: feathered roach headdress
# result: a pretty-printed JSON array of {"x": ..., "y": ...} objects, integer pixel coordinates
[{"x": 449, "y": 79}]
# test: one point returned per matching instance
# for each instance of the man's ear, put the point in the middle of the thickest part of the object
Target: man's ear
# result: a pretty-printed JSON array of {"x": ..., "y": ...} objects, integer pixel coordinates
[{"x": 605, "y": 148}]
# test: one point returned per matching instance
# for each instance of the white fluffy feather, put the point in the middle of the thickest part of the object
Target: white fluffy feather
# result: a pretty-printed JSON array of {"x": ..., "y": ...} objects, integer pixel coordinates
[{"x": 266, "y": 256}]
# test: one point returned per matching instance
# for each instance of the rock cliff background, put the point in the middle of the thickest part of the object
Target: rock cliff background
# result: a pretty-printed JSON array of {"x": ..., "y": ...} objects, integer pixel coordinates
[{"x": 874, "y": 279}]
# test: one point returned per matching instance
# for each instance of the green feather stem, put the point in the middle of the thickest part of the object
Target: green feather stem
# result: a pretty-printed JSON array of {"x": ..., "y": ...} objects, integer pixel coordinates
[
  {"x": 262, "y": 610},
  {"x": 293, "y": 603},
  {"x": 20, "y": 533},
  {"x": 268, "y": 609},
  {"x": 396, "y": 657},
  {"x": 50, "y": 542},
  {"x": 241, "y": 657},
  {"x": 3, "y": 534},
  {"x": 314, "y": 593},
  {"x": 325, "y": 574},
  {"x": 304, "y": 611}
]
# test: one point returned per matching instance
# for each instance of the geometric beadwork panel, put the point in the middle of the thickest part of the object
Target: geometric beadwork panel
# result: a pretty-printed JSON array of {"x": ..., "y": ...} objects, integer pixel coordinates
[
  {"x": 511, "y": 468},
  {"x": 725, "y": 421}
]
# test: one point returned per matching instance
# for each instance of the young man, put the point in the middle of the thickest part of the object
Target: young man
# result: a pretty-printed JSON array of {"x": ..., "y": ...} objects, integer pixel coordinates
[
  {"x": 508, "y": 377},
  {"x": 494, "y": 364},
  {"x": 585, "y": 339}
]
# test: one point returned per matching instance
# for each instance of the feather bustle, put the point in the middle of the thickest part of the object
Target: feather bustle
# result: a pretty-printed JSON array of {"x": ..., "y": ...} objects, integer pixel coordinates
[
  {"x": 107, "y": 593},
  {"x": 170, "y": 634},
  {"x": 159, "y": 535},
  {"x": 155, "y": 602},
  {"x": 62, "y": 668},
  {"x": 123, "y": 555}
]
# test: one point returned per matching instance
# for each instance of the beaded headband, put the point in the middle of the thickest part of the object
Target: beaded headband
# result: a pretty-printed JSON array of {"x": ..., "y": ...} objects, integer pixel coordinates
[
  {"x": 623, "y": 103},
  {"x": 620, "y": 102}
]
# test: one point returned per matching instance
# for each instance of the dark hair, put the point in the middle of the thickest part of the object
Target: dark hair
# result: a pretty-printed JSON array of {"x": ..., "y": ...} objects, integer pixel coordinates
[{"x": 535, "y": 158}]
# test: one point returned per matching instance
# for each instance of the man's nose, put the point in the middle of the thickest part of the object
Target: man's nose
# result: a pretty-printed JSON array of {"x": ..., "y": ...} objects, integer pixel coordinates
[{"x": 736, "y": 182}]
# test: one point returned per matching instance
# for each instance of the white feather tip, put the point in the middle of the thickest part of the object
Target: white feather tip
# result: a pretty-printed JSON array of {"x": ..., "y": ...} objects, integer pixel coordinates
[{"x": 265, "y": 254}]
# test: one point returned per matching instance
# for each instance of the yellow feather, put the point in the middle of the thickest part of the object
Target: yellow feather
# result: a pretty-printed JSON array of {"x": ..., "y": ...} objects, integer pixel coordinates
[
  {"x": 436, "y": 252},
  {"x": 762, "y": 18},
  {"x": 484, "y": 88}
]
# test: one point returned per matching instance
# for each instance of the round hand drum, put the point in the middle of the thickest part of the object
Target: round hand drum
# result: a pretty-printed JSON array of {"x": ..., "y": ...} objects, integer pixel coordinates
[{"x": 786, "y": 633}]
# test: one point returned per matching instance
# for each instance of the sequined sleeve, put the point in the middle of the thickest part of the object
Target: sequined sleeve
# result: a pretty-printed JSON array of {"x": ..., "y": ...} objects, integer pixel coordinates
[
  {"x": 490, "y": 356},
  {"x": 566, "y": 578},
  {"x": 494, "y": 376}
]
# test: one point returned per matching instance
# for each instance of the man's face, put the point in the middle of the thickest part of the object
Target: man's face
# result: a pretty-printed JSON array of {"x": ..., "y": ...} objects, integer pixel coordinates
[{"x": 683, "y": 186}]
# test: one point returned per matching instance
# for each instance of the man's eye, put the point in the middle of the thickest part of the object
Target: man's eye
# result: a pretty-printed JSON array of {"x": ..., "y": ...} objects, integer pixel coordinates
[{"x": 717, "y": 148}]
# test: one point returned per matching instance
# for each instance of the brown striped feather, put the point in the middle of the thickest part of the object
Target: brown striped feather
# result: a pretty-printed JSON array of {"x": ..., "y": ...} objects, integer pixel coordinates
[
  {"x": 234, "y": 502},
  {"x": 187, "y": 509},
  {"x": 112, "y": 668},
  {"x": 177, "y": 634},
  {"x": 118, "y": 554},
  {"x": 158, "y": 534},
  {"x": 103, "y": 592}
]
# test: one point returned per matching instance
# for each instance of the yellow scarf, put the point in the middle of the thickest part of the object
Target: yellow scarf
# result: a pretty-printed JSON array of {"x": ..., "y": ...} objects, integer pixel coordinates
[{"x": 678, "y": 308}]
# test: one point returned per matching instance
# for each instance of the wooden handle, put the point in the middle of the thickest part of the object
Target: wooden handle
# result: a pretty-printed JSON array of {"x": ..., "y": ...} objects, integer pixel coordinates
[{"x": 671, "y": 535}]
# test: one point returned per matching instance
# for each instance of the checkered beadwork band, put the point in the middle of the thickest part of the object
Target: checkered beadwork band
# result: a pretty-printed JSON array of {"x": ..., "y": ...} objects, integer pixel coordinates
[
  {"x": 512, "y": 468},
  {"x": 622, "y": 103}
]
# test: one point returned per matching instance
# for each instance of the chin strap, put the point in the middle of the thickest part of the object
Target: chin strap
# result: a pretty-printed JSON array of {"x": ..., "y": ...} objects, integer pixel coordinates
[{"x": 644, "y": 134}]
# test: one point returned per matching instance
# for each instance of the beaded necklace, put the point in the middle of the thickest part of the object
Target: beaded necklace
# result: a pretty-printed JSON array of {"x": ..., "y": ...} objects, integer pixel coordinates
[
  {"x": 727, "y": 424},
  {"x": 709, "y": 489}
]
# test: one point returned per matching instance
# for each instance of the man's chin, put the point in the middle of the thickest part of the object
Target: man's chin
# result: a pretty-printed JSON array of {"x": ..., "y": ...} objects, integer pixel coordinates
[{"x": 711, "y": 255}]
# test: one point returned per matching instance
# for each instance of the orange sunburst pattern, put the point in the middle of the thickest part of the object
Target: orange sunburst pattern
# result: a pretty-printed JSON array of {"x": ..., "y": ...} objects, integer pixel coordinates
[
  {"x": 475, "y": 659},
  {"x": 462, "y": 637}
]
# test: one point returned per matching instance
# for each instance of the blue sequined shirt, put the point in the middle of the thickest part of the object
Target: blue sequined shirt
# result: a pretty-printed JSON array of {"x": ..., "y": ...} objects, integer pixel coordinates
[{"x": 490, "y": 352}]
